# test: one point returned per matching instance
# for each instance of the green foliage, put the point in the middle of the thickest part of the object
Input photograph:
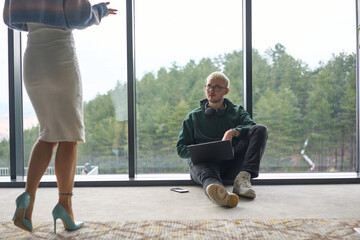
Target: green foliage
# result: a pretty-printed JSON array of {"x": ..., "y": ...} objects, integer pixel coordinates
[
  {"x": 332, "y": 110},
  {"x": 99, "y": 115},
  {"x": 4, "y": 153},
  {"x": 30, "y": 137},
  {"x": 281, "y": 114},
  {"x": 294, "y": 102}
]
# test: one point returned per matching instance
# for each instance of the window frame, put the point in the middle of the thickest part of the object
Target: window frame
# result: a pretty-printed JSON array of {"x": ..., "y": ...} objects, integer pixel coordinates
[{"x": 16, "y": 125}]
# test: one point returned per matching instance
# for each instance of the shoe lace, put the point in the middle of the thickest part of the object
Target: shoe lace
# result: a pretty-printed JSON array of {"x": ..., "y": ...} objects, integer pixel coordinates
[{"x": 245, "y": 182}]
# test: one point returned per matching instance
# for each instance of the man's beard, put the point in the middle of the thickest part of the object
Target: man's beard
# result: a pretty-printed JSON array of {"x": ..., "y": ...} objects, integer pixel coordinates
[{"x": 215, "y": 100}]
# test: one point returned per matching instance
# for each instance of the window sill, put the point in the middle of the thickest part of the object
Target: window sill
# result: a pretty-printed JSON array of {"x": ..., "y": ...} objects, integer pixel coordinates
[{"x": 184, "y": 179}]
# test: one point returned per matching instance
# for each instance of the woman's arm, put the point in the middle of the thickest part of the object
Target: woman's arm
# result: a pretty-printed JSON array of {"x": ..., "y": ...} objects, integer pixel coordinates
[{"x": 80, "y": 14}]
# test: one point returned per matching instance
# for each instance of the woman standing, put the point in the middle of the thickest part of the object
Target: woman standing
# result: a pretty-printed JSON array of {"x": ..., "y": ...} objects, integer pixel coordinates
[{"x": 53, "y": 83}]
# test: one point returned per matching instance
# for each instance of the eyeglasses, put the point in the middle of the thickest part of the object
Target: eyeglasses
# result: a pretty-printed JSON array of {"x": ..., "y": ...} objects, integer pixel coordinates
[{"x": 216, "y": 88}]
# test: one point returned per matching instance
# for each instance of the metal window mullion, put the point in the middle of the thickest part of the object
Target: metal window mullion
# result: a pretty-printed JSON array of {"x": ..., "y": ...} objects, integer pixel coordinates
[
  {"x": 131, "y": 83},
  {"x": 15, "y": 105},
  {"x": 247, "y": 56},
  {"x": 357, "y": 3}
]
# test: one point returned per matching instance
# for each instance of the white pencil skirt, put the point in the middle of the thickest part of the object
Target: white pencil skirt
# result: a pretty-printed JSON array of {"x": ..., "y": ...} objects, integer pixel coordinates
[{"x": 53, "y": 82}]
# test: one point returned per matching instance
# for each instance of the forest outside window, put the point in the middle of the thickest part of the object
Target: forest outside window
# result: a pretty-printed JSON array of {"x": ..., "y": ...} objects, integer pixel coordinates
[
  {"x": 304, "y": 84},
  {"x": 176, "y": 49}
]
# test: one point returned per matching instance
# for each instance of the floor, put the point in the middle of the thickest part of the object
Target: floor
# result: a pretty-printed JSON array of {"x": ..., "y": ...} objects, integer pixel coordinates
[{"x": 147, "y": 203}]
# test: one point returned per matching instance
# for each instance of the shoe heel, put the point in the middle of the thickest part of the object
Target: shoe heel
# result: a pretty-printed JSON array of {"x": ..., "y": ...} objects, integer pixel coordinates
[
  {"x": 54, "y": 225},
  {"x": 60, "y": 212}
]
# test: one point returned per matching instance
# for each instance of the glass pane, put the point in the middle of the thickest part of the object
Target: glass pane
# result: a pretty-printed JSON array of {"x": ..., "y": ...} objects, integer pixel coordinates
[
  {"x": 102, "y": 57},
  {"x": 30, "y": 122},
  {"x": 101, "y": 53},
  {"x": 304, "y": 83},
  {"x": 4, "y": 103},
  {"x": 178, "y": 44}
]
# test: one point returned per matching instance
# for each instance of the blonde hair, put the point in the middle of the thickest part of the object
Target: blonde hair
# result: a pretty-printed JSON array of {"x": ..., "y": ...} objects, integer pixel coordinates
[{"x": 219, "y": 75}]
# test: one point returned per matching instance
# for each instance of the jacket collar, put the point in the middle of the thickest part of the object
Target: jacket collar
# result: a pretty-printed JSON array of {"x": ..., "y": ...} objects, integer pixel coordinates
[{"x": 228, "y": 103}]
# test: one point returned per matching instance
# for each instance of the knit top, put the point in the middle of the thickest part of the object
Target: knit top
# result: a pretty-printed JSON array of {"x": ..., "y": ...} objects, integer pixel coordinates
[{"x": 68, "y": 14}]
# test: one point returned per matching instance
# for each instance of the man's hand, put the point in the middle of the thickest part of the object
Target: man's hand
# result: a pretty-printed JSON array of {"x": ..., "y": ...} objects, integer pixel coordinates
[{"x": 229, "y": 134}]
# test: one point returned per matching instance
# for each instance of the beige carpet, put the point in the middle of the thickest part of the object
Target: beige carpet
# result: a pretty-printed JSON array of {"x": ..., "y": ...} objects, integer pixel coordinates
[{"x": 317, "y": 229}]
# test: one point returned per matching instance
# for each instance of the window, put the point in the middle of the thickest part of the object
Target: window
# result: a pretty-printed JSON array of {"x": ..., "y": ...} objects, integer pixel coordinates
[
  {"x": 4, "y": 104},
  {"x": 30, "y": 122},
  {"x": 178, "y": 44},
  {"x": 304, "y": 84},
  {"x": 101, "y": 53}
]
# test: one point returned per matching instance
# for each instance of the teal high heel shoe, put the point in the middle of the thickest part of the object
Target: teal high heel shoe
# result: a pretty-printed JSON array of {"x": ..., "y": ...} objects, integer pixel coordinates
[
  {"x": 22, "y": 202},
  {"x": 60, "y": 212}
]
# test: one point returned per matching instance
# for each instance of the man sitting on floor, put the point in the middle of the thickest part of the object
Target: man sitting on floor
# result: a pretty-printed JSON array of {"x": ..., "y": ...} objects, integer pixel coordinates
[{"x": 218, "y": 118}]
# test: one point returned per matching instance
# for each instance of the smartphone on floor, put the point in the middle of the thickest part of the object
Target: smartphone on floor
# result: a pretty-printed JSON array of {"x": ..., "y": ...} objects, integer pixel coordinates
[{"x": 179, "y": 190}]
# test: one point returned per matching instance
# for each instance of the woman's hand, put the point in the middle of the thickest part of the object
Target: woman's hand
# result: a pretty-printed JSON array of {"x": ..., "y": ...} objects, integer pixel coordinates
[{"x": 112, "y": 11}]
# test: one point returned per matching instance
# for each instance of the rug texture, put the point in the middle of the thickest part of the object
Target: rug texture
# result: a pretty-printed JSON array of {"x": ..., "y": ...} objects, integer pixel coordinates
[{"x": 317, "y": 229}]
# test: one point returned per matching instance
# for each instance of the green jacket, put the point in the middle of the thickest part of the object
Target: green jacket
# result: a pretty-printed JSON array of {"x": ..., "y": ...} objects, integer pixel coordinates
[{"x": 199, "y": 128}]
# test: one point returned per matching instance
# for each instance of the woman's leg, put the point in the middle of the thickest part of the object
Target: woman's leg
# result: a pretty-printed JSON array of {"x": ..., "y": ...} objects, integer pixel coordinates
[
  {"x": 65, "y": 166},
  {"x": 39, "y": 161}
]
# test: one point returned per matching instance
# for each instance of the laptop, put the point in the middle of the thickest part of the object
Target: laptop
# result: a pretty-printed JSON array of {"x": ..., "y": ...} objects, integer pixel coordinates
[{"x": 211, "y": 151}]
